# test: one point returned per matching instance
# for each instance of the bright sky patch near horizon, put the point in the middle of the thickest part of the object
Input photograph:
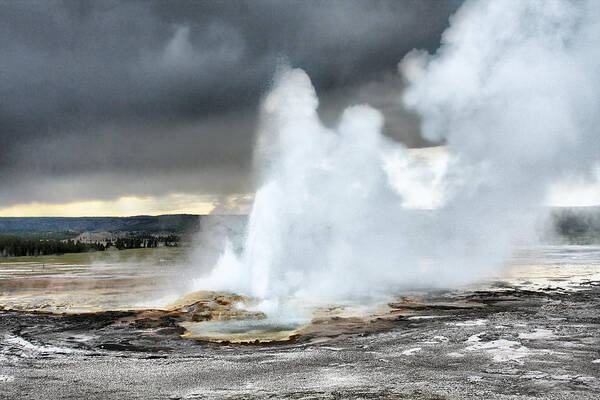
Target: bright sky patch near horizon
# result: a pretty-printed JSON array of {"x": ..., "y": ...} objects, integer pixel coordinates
[{"x": 181, "y": 203}]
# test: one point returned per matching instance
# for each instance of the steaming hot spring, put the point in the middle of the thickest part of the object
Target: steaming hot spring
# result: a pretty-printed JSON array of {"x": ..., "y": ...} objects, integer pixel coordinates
[
  {"x": 141, "y": 286},
  {"x": 348, "y": 231}
]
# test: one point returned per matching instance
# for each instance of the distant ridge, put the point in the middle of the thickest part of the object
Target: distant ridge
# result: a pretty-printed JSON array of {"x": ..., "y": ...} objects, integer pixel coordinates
[
  {"x": 28, "y": 226},
  {"x": 575, "y": 224},
  {"x": 578, "y": 224}
]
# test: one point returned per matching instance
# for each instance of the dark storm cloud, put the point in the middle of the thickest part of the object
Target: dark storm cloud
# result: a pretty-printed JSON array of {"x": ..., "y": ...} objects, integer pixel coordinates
[{"x": 144, "y": 89}]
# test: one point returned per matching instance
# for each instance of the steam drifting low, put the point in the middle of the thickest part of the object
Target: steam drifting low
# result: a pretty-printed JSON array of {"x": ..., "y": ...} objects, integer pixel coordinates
[{"x": 513, "y": 91}]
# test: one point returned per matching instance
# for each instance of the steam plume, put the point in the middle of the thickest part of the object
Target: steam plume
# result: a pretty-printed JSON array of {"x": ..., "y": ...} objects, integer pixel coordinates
[{"x": 512, "y": 91}]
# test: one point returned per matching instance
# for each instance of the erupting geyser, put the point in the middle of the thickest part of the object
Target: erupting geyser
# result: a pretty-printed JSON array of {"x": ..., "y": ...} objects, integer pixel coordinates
[{"x": 513, "y": 93}]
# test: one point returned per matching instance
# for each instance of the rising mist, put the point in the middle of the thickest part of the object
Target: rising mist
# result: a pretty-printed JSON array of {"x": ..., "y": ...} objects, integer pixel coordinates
[{"x": 512, "y": 93}]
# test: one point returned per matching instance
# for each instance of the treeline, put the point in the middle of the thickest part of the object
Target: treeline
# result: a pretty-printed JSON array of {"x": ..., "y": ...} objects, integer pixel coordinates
[
  {"x": 13, "y": 246},
  {"x": 142, "y": 242}
]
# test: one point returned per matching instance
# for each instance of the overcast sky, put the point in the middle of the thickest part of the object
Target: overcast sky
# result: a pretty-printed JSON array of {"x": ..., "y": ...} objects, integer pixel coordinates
[{"x": 102, "y": 100}]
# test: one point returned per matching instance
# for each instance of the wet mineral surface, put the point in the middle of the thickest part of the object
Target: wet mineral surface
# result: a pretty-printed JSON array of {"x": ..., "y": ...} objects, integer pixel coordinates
[{"x": 536, "y": 336}]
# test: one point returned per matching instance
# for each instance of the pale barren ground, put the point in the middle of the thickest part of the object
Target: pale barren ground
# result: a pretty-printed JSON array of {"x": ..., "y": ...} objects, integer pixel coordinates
[{"x": 534, "y": 335}]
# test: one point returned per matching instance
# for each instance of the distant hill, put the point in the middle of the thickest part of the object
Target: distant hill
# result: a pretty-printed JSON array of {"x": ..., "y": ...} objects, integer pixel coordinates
[
  {"x": 53, "y": 227},
  {"x": 573, "y": 224},
  {"x": 577, "y": 224}
]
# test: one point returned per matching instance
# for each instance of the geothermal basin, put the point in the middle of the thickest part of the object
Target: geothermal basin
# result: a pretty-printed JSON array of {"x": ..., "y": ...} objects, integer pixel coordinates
[{"x": 118, "y": 328}]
